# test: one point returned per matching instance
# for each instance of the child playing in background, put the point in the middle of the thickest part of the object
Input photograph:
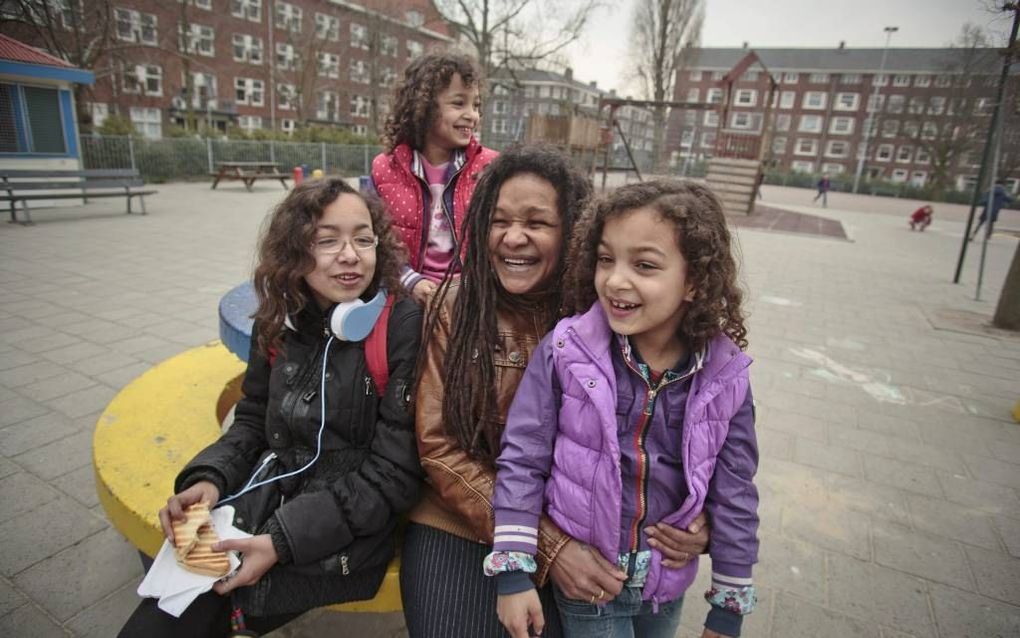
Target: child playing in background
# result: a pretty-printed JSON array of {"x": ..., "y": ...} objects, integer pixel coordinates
[
  {"x": 431, "y": 164},
  {"x": 636, "y": 412},
  {"x": 921, "y": 218}
]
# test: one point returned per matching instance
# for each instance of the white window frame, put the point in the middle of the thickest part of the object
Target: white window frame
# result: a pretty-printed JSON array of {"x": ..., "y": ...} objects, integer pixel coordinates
[
  {"x": 818, "y": 78},
  {"x": 323, "y": 101},
  {"x": 832, "y": 168},
  {"x": 832, "y": 148},
  {"x": 693, "y": 95},
  {"x": 846, "y": 102},
  {"x": 389, "y": 45},
  {"x": 802, "y": 166},
  {"x": 741, "y": 120},
  {"x": 250, "y": 10},
  {"x": 779, "y": 146},
  {"x": 327, "y": 27},
  {"x": 936, "y": 105},
  {"x": 814, "y": 100},
  {"x": 695, "y": 76},
  {"x": 841, "y": 126},
  {"x": 254, "y": 91},
  {"x": 249, "y": 46},
  {"x": 901, "y": 80},
  {"x": 414, "y": 49},
  {"x": 150, "y": 119},
  {"x": 890, "y": 128},
  {"x": 286, "y": 56},
  {"x": 922, "y": 156},
  {"x": 200, "y": 39},
  {"x": 142, "y": 28},
  {"x": 328, "y": 65},
  {"x": 791, "y": 78},
  {"x": 922, "y": 80},
  {"x": 787, "y": 99},
  {"x": 850, "y": 78},
  {"x": 811, "y": 124},
  {"x": 361, "y": 106},
  {"x": 711, "y": 118},
  {"x": 359, "y": 72},
  {"x": 805, "y": 146},
  {"x": 880, "y": 79},
  {"x": 905, "y": 154},
  {"x": 288, "y": 17},
  {"x": 359, "y": 36},
  {"x": 783, "y": 121},
  {"x": 286, "y": 96},
  {"x": 745, "y": 97},
  {"x": 249, "y": 122},
  {"x": 713, "y": 96},
  {"x": 896, "y": 103},
  {"x": 884, "y": 153},
  {"x": 899, "y": 175}
]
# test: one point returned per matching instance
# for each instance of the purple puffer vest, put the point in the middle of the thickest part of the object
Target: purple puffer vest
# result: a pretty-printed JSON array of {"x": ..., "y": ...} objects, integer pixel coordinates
[{"x": 584, "y": 490}]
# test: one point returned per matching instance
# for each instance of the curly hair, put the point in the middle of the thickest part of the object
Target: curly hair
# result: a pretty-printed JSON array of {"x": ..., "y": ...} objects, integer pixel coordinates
[
  {"x": 284, "y": 254},
  {"x": 703, "y": 239},
  {"x": 469, "y": 372},
  {"x": 415, "y": 105}
]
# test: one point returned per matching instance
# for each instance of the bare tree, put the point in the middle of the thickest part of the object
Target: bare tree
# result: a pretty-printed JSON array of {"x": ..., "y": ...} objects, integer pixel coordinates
[
  {"x": 515, "y": 34},
  {"x": 661, "y": 31},
  {"x": 78, "y": 31}
]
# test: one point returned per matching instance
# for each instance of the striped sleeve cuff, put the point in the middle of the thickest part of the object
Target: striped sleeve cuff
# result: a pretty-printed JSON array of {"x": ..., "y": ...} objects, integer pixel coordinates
[
  {"x": 409, "y": 278},
  {"x": 516, "y": 532}
]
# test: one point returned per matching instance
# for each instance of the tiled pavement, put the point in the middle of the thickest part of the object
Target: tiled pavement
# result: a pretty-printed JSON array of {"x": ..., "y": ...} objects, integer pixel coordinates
[{"x": 890, "y": 467}]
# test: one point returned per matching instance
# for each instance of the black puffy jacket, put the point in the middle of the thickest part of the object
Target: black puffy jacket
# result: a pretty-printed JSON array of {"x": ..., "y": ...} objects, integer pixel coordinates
[{"x": 332, "y": 525}]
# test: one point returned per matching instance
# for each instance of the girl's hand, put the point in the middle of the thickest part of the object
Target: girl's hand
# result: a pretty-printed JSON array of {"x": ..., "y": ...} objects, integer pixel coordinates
[
  {"x": 708, "y": 633},
  {"x": 258, "y": 556},
  {"x": 581, "y": 572},
  {"x": 517, "y": 611},
  {"x": 422, "y": 290},
  {"x": 176, "y": 504},
  {"x": 679, "y": 547}
]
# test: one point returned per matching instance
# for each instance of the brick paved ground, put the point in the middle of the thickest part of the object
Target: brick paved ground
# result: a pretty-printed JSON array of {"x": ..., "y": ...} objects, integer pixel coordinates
[{"x": 890, "y": 467}]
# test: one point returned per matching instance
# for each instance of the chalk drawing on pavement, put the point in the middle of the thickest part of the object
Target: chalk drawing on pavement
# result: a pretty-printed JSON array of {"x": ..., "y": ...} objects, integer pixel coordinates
[{"x": 835, "y": 372}]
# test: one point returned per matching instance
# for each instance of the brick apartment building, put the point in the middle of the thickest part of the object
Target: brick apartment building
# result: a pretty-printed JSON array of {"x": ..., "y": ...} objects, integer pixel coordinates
[
  {"x": 514, "y": 98},
  {"x": 931, "y": 110},
  {"x": 256, "y": 63}
]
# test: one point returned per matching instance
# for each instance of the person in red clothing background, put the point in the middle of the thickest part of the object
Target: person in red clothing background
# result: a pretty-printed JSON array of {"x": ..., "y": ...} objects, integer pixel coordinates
[
  {"x": 921, "y": 218},
  {"x": 431, "y": 163}
]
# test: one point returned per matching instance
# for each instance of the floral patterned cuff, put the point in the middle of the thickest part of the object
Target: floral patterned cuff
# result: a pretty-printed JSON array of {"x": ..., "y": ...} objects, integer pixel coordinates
[
  {"x": 739, "y": 600},
  {"x": 500, "y": 562}
]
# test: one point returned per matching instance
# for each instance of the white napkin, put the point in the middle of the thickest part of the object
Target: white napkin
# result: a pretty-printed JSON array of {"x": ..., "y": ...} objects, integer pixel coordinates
[{"x": 175, "y": 586}]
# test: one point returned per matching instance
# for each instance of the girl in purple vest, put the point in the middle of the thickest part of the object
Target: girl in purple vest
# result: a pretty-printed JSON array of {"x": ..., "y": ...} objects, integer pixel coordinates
[{"x": 633, "y": 412}]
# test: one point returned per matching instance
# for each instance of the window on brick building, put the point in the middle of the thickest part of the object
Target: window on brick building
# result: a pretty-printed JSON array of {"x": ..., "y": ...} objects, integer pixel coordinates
[
  {"x": 850, "y": 78},
  {"x": 147, "y": 121},
  {"x": 329, "y": 65},
  {"x": 741, "y": 120},
  {"x": 414, "y": 49},
  {"x": 718, "y": 75},
  {"x": 904, "y": 154},
  {"x": 929, "y": 131},
  {"x": 890, "y": 128},
  {"x": 801, "y": 166},
  {"x": 746, "y": 97},
  {"x": 134, "y": 26},
  {"x": 814, "y": 100},
  {"x": 791, "y": 78},
  {"x": 247, "y": 9},
  {"x": 711, "y": 118},
  {"x": 916, "y": 105},
  {"x": 779, "y": 145},
  {"x": 249, "y": 122},
  {"x": 884, "y": 153},
  {"x": 247, "y": 48},
  {"x": 414, "y": 18},
  {"x": 879, "y": 79},
  {"x": 936, "y": 105},
  {"x": 708, "y": 139},
  {"x": 901, "y": 80},
  {"x": 818, "y": 78},
  {"x": 911, "y": 129},
  {"x": 286, "y": 95},
  {"x": 832, "y": 168},
  {"x": 387, "y": 77},
  {"x": 360, "y": 106},
  {"x": 286, "y": 57},
  {"x": 714, "y": 96},
  {"x": 847, "y": 101},
  {"x": 327, "y": 27},
  {"x": 389, "y": 45},
  {"x": 359, "y": 36},
  {"x": 841, "y": 126},
  {"x": 810, "y": 124},
  {"x": 875, "y": 102},
  {"x": 326, "y": 106},
  {"x": 249, "y": 91},
  {"x": 922, "y": 80},
  {"x": 695, "y": 76},
  {"x": 783, "y": 122},
  {"x": 693, "y": 95},
  {"x": 144, "y": 79},
  {"x": 837, "y": 148},
  {"x": 806, "y": 146},
  {"x": 359, "y": 72},
  {"x": 199, "y": 39},
  {"x": 943, "y": 81},
  {"x": 922, "y": 157},
  {"x": 288, "y": 17},
  {"x": 899, "y": 175},
  {"x": 787, "y": 99},
  {"x": 895, "y": 103}
]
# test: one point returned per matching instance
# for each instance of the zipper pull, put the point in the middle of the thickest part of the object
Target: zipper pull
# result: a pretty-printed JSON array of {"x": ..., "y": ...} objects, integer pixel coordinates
[
  {"x": 368, "y": 386},
  {"x": 308, "y": 396}
]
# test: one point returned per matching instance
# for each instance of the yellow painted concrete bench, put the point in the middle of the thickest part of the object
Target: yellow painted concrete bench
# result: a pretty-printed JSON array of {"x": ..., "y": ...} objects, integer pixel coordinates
[{"x": 155, "y": 425}]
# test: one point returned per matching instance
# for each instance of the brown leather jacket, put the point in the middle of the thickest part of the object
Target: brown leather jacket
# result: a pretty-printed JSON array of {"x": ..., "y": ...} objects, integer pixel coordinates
[{"x": 458, "y": 491}]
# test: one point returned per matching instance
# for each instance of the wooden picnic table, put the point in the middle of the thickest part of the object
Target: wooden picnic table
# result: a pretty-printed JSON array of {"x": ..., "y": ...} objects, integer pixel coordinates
[{"x": 248, "y": 172}]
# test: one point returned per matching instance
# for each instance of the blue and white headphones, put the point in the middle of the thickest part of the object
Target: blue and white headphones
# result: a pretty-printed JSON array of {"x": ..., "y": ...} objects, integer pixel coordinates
[{"x": 348, "y": 321}]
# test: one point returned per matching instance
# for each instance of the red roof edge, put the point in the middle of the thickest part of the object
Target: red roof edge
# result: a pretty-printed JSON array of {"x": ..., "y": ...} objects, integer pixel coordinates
[{"x": 17, "y": 51}]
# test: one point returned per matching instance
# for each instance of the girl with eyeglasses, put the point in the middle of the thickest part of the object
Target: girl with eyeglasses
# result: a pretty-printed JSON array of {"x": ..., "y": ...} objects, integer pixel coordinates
[{"x": 312, "y": 411}]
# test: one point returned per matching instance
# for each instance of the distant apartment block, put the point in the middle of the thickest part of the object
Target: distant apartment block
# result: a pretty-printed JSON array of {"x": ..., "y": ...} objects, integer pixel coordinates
[
  {"x": 257, "y": 63},
  {"x": 929, "y": 111}
]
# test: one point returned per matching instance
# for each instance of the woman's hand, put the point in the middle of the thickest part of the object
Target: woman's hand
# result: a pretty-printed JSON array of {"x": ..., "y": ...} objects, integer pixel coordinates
[
  {"x": 176, "y": 504},
  {"x": 518, "y": 611},
  {"x": 257, "y": 556},
  {"x": 678, "y": 547},
  {"x": 582, "y": 573},
  {"x": 422, "y": 290}
]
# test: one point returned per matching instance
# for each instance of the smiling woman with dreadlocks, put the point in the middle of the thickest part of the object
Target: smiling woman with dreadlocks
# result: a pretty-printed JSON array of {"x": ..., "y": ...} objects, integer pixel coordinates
[{"x": 480, "y": 333}]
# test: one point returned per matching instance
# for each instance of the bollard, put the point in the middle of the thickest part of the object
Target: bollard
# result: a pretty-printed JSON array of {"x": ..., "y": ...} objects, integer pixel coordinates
[
  {"x": 317, "y": 173},
  {"x": 304, "y": 171},
  {"x": 299, "y": 175}
]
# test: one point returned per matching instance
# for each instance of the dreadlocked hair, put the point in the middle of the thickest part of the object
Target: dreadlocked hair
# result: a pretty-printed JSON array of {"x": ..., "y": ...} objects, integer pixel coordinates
[
  {"x": 415, "y": 105},
  {"x": 284, "y": 255},
  {"x": 468, "y": 369},
  {"x": 703, "y": 239}
]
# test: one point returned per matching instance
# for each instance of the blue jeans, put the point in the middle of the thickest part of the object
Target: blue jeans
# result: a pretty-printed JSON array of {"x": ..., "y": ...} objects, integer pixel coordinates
[{"x": 626, "y": 616}]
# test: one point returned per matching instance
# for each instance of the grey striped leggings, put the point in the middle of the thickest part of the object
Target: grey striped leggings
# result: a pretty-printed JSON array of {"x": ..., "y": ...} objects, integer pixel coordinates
[{"x": 445, "y": 593}]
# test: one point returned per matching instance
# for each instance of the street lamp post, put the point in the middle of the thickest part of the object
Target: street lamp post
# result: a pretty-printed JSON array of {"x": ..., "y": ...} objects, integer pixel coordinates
[{"x": 871, "y": 121}]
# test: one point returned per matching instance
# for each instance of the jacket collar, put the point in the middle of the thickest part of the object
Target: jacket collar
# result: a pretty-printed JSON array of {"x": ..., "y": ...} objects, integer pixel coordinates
[{"x": 404, "y": 155}]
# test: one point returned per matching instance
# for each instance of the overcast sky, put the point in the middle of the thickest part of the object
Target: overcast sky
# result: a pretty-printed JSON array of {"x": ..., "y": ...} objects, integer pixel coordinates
[{"x": 602, "y": 53}]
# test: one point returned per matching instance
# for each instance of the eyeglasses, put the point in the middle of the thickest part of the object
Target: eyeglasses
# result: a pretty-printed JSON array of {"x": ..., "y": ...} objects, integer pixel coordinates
[{"x": 335, "y": 245}]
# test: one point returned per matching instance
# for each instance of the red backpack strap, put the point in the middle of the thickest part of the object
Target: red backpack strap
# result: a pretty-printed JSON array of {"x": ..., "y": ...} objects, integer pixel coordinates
[
  {"x": 273, "y": 352},
  {"x": 375, "y": 349}
]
